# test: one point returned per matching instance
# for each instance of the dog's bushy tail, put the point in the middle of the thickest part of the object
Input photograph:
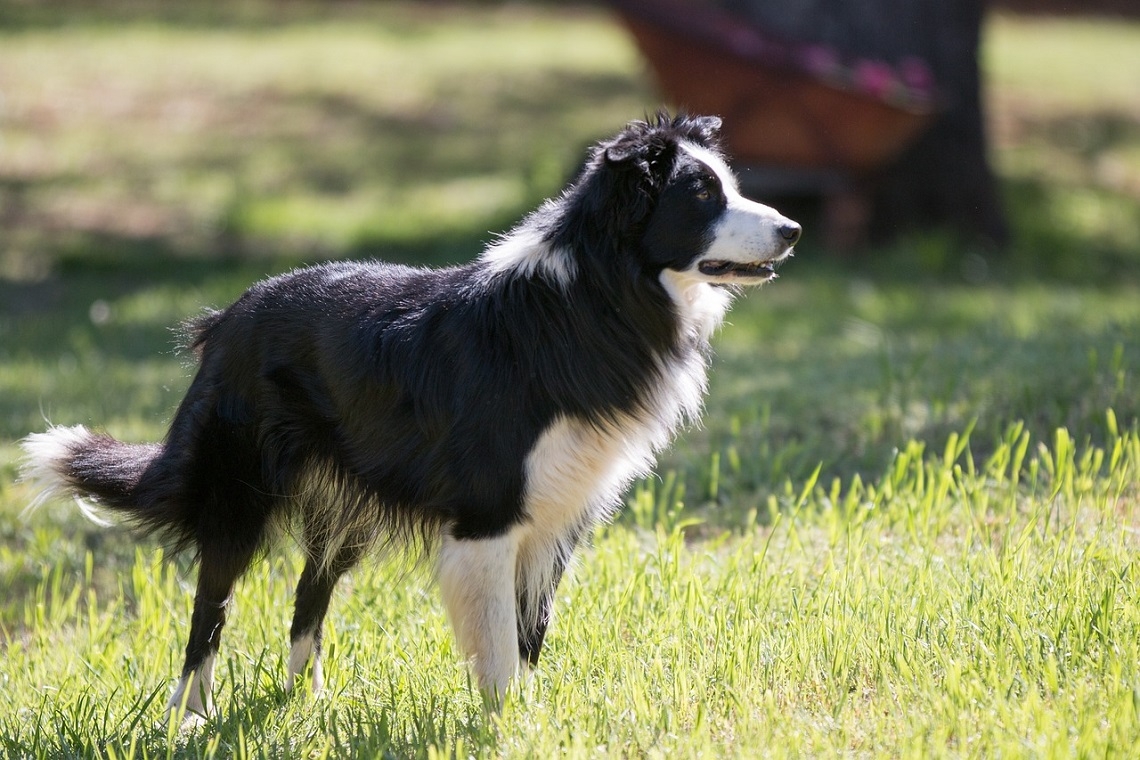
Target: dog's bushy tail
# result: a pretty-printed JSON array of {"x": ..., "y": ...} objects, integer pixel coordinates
[{"x": 98, "y": 470}]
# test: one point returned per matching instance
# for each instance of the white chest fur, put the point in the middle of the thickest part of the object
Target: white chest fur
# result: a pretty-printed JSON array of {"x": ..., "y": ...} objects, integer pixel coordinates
[{"x": 576, "y": 471}]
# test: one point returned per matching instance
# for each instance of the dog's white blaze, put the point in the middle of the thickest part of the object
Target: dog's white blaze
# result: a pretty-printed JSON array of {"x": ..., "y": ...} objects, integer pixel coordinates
[
  {"x": 299, "y": 654},
  {"x": 717, "y": 164},
  {"x": 196, "y": 690},
  {"x": 748, "y": 232},
  {"x": 523, "y": 253},
  {"x": 477, "y": 581}
]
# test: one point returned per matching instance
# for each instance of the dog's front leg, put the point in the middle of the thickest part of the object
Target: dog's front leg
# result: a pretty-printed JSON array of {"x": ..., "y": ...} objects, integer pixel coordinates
[
  {"x": 477, "y": 578},
  {"x": 541, "y": 561}
]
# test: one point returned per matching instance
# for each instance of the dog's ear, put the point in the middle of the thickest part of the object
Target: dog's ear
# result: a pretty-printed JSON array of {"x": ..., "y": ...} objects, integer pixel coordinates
[
  {"x": 704, "y": 129},
  {"x": 633, "y": 150},
  {"x": 619, "y": 153},
  {"x": 652, "y": 143},
  {"x": 639, "y": 145},
  {"x": 646, "y": 152},
  {"x": 639, "y": 167}
]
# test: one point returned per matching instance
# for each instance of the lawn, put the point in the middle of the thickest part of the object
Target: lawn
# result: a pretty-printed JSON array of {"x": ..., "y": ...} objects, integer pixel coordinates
[{"x": 907, "y": 526}]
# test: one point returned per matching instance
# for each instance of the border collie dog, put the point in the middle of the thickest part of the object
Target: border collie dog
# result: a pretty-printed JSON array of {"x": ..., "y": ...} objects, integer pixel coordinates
[{"x": 491, "y": 412}]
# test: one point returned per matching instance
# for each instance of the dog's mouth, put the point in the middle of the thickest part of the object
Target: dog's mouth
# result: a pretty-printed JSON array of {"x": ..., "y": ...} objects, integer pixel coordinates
[{"x": 754, "y": 270}]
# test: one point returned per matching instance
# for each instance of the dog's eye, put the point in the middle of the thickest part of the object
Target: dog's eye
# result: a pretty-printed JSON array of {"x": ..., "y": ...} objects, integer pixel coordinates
[{"x": 704, "y": 194}]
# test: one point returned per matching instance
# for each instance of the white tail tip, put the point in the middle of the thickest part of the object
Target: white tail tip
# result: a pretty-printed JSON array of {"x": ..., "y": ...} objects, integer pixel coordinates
[{"x": 46, "y": 459}]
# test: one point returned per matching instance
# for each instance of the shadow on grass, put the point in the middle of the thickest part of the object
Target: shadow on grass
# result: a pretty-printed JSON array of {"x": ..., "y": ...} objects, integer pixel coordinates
[
  {"x": 1086, "y": 235},
  {"x": 86, "y": 729}
]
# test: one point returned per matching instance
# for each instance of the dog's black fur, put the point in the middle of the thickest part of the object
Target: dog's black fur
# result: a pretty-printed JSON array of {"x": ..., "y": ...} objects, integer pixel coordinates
[{"x": 367, "y": 401}]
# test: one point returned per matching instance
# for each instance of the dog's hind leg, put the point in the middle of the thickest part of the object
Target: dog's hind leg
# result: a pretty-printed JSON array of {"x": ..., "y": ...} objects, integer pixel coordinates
[
  {"x": 217, "y": 574},
  {"x": 477, "y": 580},
  {"x": 231, "y": 528},
  {"x": 314, "y": 591}
]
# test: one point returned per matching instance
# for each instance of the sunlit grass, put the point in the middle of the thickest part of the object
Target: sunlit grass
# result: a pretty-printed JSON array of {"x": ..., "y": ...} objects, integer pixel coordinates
[
  {"x": 1065, "y": 63},
  {"x": 1066, "y": 121},
  {"x": 954, "y": 606}
]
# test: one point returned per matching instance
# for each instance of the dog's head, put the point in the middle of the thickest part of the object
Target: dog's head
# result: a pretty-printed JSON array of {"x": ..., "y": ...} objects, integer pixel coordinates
[{"x": 669, "y": 194}]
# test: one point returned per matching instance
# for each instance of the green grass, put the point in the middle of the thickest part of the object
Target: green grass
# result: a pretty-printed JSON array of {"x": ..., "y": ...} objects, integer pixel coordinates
[
  {"x": 907, "y": 526},
  {"x": 952, "y": 607}
]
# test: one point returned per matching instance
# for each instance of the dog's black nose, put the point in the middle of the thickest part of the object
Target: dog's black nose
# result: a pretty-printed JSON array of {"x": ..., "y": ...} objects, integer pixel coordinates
[{"x": 790, "y": 231}]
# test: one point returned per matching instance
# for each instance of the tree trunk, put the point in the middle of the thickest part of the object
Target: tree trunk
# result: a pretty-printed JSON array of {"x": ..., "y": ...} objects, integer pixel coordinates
[{"x": 944, "y": 179}]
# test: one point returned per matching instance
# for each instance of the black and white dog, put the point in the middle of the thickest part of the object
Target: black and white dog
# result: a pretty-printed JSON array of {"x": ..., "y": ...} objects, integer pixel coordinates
[{"x": 493, "y": 411}]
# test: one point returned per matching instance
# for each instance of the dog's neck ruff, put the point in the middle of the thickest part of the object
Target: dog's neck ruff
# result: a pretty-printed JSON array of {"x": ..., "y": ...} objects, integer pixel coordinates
[
  {"x": 700, "y": 307},
  {"x": 525, "y": 252}
]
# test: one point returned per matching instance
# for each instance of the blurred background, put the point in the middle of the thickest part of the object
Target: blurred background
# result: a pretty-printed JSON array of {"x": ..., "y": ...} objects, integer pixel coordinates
[
  {"x": 968, "y": 175},
  {"x": 225, "y": 129}
]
